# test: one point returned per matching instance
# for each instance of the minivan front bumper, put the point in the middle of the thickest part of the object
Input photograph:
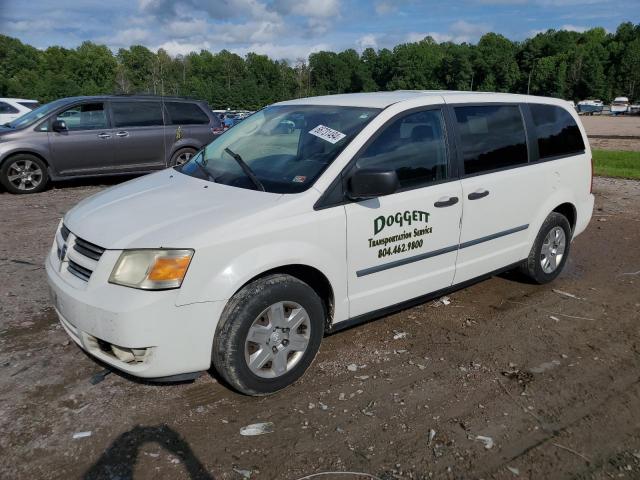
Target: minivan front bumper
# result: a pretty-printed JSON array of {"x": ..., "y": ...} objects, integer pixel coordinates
[{"x": 142, "y": 333}]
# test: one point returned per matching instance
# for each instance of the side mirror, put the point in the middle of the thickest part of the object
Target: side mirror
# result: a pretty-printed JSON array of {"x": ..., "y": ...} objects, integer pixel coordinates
[
  {"x": 371, "y": 183},
  {"x": 59, "y": 126}
]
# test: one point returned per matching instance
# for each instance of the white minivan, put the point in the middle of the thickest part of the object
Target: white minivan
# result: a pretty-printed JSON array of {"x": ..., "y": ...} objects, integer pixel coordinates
[{"x": 313, "y": 215}]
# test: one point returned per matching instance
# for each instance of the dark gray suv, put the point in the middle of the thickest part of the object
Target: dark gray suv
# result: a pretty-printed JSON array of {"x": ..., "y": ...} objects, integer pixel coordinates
[{"x": 106, "y": 135}]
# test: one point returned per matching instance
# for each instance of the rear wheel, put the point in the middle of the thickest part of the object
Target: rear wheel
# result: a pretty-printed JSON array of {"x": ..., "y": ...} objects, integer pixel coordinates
[
  {"x": 269, "y": 334},
  {"x": 24, "y": 173},
  {"x": 550, "y": 250},
  {"x": 182, "y": 156}
]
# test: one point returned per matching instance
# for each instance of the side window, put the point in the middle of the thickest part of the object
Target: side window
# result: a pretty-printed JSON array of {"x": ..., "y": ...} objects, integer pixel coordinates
[
  {"x": 556, "y": 130},
  {"x": 6, "y": 108},
  {"x": 186, "y": 114},
  {"x": 137, "y": 114},
  {"x": 492, "y": 137},
  {"x": 88, "y": 116},
  {"x": 414, "y": 146}
]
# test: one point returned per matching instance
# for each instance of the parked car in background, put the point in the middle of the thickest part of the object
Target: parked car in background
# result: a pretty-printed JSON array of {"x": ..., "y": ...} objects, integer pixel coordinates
[
  {"x": 620, "y": 106},
  {"x": 314, "y": 215},
  {"x": 104, "y": 135},
  {"x": 589, "y": 107},
  {"x": 12, "y": 108}
]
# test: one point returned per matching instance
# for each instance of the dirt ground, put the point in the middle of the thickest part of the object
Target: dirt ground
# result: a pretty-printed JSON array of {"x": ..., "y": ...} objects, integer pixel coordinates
[
  {"x": 552, "y": 380},
  {"x": 603, "y": 130}
]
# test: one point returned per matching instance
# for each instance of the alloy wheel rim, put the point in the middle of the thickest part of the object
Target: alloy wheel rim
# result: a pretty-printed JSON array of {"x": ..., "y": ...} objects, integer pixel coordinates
[
  {"x": 552, "y": 250},
  {"x": 277, "y": 339},
  {"x": 183, "y": 158},
  {"x": 24, "y": 174}
]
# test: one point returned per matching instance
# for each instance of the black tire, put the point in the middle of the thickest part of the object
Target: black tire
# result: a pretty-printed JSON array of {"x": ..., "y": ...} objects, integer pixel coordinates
[
  {"x": 176, "y": 158},
  {"x": 532, "y": 267},
  {"x": 36, "y": 182},
  {"x": 239, "y": 315}
]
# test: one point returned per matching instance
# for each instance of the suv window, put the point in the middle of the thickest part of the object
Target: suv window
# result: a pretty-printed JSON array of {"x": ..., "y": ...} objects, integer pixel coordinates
[
  {"x": 186, "y": 114},
  {"x": 88, "y": 116},
  {"x": 137, "y": 114},
  {"x": 414, "y": 146},
  {"x": 31, "y": 105},
  {"x": 492, "y": 137},
  {"x": 557, "y": 132},
  {"x": 6, "y": 108}
]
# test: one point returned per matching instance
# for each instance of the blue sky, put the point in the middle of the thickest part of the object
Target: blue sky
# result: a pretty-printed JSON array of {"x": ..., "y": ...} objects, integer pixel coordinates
[{"x": 291, "y": 29}]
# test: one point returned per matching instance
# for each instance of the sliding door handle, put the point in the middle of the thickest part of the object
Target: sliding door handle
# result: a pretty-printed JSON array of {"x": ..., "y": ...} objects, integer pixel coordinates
[
  {"x": 478, "y": 194},
  {"x": 446, "y": 202},
  {"x": 122, "y": 134},
  {"x": 104, "y": 135}
]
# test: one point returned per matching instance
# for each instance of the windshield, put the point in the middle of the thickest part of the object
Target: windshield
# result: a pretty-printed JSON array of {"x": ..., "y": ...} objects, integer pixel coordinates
[
  {"x": 285, "y": 147},
  {"x": 35, "y": 115}
]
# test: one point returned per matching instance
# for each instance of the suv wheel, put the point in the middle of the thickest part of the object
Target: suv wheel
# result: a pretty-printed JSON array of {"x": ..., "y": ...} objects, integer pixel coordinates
[
  {"x": 182, "y": 156},
  {"x": 268, "y": 334},
  {"x": 24, "y": 173},
  {"x": 550, "y": 250}
]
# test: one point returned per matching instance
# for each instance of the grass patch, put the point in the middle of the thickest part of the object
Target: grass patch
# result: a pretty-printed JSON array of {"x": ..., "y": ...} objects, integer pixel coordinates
[{"x": 610, "y": 163}]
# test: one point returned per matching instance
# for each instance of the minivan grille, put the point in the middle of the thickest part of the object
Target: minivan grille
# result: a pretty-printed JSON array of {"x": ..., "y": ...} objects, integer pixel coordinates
[
  {"x": 79, "y": 271},
  {"x": 88, "y": 249},
  {"x": 82, "y": 256}
]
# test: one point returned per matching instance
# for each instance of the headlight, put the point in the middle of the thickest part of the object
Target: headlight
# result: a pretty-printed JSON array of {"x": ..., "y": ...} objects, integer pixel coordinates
[{"x": 151, "y": 269}]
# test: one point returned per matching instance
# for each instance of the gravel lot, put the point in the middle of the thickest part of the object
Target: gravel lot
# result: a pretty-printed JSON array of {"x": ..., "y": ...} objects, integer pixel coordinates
[
  {"x": 609, "y": 126},
  {"x": 553, "y": 380}
]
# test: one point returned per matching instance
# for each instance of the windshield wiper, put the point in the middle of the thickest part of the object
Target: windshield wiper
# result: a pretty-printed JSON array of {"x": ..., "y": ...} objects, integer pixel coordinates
[
  {"x": 202, "y": 168},
  {"x": 246, "y": 169}
]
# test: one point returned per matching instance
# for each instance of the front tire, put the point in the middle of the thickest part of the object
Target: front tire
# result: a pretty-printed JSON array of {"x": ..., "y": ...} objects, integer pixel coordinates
[
  {"x": 181, "y": 156},
  {"x": 24, "y": 173},
  {"x": 550, "y": 250},
  {"x": 268, "y": 334}
]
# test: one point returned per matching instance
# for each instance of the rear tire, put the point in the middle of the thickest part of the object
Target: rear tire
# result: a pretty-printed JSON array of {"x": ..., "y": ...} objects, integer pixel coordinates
[
  {"x": 268, "y": 334},
  {"x": 550, "y": 250},
  {"x": 24, "y": 173},
  {"x": 181, "y": 156}
]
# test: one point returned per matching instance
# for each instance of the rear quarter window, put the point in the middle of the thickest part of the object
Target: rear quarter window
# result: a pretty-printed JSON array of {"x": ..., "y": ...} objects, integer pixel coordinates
[
  {"x": 556, "y": 131},
  {"x": 186, "y": 114}
]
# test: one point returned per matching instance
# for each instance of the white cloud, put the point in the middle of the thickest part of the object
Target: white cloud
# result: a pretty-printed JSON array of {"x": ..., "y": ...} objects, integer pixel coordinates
[
  {"x": 574, "y": 28},
  {"x": 126, "y": 38},
  {"x": 367, "y": 41},
  {"x": 187, "y": 27},
  {"x": 175, "y": 47},
  {"x": 385, "y": 8},
  {"x": 289, "y": 52}
]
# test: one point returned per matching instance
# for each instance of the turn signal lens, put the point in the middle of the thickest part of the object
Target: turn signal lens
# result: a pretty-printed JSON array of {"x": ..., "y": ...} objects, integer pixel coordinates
[
  {"x": 167, "y": 269},
  {"x": 151, "y": 269}
]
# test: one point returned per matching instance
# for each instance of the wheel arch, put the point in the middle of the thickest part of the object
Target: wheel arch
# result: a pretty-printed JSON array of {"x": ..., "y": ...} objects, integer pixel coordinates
[
  {"x": 313, "y": 277},
  {"x": 569, "y": 211},
  {"x": 25, "y": 152}
]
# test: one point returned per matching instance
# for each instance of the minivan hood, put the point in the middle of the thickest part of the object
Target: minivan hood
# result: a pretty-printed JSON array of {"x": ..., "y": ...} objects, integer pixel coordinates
[{"x": 166, "y": 209}]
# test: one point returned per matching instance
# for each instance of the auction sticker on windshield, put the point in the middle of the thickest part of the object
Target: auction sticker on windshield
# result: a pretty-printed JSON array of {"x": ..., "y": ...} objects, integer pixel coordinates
[{"x": 328, "y": 134}]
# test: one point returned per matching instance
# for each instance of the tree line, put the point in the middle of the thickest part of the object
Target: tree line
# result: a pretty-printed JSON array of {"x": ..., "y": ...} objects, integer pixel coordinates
[{"x": 557, "y": 63}]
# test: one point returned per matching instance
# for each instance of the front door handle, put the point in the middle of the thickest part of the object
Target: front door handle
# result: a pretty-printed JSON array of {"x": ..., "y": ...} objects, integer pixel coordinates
[
  {"x": 104, "y": 135},
  {"x": 122, "y": 134},
  {"x": 446, "y": 202},
  {"x": 478, "y": 194}
]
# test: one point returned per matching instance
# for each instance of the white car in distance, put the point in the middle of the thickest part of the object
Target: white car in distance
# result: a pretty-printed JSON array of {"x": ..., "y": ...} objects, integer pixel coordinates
[{"x": 12, "y": 108}]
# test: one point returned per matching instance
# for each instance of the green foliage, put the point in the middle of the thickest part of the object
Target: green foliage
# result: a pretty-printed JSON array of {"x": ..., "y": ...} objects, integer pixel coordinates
[{"x": 571, "y": 65}]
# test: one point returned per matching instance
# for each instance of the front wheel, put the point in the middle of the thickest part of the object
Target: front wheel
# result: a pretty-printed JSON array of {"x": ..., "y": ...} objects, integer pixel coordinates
[
  {"x": 550, "y": 250},
  {"x": 181, "y": 157},
  {"x": 24, "y": 173},
  {"x": 268, "y": 334}
]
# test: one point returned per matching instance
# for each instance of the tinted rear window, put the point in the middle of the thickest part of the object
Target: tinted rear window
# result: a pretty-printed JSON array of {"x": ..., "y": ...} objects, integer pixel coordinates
[
  {"x": 556, "y": 130},
  {"x": 186, "y": 114},
  {"x": 6, "y": 108},
  {"x": 492, "y": 137},
  {"x": 137, "y": 114}
]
